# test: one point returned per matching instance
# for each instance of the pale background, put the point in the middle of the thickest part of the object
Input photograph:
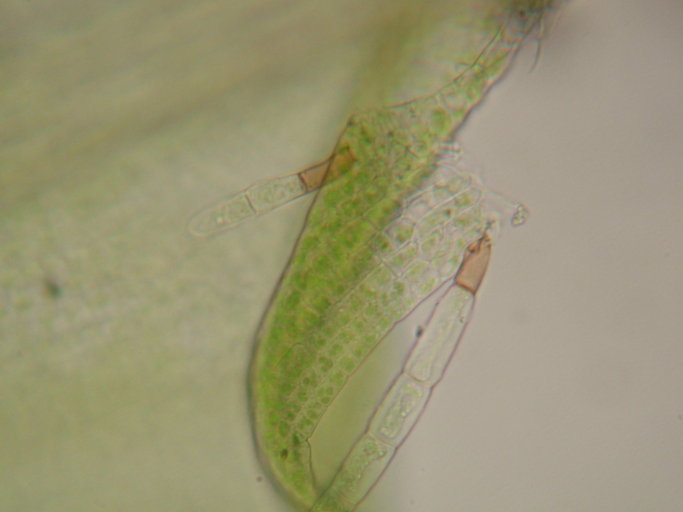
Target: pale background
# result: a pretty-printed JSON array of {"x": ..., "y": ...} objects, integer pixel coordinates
[{"x": 124, "y": 342}]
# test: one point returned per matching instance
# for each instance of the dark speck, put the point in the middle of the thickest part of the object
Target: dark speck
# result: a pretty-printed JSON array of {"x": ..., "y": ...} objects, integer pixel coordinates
[{"x": 52, "y": 288}]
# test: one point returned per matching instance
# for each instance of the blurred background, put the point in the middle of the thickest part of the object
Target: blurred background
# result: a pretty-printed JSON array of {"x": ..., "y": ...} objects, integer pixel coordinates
[{"x": 124, "y": 342}]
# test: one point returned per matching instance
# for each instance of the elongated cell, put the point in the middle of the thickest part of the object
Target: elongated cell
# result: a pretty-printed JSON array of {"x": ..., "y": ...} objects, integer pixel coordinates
[
  {"x": 258, "y": 199},
  {"x": 407, "y": 396}
]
